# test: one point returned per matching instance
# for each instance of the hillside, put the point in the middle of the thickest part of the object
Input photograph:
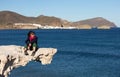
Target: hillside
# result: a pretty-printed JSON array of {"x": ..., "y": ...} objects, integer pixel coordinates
[
  {"x": 95, "y": 22},
  {"x": 8, "y": 18},
  {"x": 46, "y": 20}
]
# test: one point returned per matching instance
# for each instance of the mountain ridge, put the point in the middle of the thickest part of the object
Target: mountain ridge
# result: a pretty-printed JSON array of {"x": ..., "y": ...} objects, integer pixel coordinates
[
  {"x": 9, "y": 18},
  {"x": 95, "y": 22}
]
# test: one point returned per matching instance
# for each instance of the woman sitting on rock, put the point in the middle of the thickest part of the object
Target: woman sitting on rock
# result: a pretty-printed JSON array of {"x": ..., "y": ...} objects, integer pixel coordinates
[{"x": 31, "y": 43}]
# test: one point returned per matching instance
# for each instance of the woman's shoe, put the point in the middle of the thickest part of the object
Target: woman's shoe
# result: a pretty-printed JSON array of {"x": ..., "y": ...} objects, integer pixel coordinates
[
  {"x": 26, "y": 53},
  {"x": 33, "y": 53}
]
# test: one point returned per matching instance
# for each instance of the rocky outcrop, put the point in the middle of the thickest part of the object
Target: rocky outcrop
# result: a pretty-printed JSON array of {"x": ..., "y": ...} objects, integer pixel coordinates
[{"x": 13, "y": 56}]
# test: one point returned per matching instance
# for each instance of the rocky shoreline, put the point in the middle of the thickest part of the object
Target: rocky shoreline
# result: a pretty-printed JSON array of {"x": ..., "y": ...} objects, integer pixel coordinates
[
  {"x": 12, "y": 57},
  {"x": 51, "y": 27}
]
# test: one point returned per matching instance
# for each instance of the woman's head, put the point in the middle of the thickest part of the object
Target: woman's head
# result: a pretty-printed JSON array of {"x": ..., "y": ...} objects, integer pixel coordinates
[{"x": 31, "y": 34}]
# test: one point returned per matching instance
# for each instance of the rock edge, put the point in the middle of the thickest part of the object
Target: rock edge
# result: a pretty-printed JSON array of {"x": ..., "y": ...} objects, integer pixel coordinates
[{"x": 12, "y": 56}]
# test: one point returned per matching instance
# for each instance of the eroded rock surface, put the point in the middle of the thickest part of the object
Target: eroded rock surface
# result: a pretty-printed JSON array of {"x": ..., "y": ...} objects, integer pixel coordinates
[{"x": 13, "y": 56}]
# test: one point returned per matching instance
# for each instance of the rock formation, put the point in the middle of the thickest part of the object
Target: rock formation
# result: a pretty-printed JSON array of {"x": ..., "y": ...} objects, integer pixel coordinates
[{"x": 13, "y": 56}]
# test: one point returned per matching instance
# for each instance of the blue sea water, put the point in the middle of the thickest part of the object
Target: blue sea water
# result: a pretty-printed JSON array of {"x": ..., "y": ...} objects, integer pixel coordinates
[{"x": 81, "y": 53}]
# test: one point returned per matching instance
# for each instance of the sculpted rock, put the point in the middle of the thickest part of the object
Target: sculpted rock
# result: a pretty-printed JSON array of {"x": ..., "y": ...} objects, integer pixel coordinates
[{"x": 13, "y": 56}]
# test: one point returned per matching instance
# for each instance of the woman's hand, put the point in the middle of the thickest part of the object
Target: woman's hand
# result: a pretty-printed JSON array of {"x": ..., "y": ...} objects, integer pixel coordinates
[{"x": 29, "y": 44}]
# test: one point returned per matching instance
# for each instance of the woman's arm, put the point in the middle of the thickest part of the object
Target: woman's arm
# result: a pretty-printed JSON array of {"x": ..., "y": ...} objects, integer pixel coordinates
[{"x": 27, "y": 41}]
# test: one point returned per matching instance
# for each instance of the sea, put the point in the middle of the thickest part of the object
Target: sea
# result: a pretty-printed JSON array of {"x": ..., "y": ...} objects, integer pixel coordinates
[{"x": 81, "y": 53}]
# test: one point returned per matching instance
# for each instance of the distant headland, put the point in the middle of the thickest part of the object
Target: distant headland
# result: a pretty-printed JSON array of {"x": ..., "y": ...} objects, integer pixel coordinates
[{"x": 12, "y": 20}]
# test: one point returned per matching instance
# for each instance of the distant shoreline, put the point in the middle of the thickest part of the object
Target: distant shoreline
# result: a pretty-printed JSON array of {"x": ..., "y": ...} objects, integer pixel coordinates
[{"x": 64, "y": 29}]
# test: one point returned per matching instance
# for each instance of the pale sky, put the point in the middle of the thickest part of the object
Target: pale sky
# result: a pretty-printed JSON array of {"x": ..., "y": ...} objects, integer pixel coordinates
[{"x": 71, "y": 10}]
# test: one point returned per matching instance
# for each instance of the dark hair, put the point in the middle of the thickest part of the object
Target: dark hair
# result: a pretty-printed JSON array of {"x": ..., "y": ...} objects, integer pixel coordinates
[{"x": 30, "y": 32}]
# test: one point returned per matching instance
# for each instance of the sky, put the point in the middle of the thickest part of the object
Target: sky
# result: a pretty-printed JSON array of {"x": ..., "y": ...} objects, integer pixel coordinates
[{"x": 71, "y": 10}]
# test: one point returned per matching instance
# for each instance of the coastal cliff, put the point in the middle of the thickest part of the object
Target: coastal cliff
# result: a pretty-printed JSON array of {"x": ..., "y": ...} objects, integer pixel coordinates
[{"x": 12, "y": 57}]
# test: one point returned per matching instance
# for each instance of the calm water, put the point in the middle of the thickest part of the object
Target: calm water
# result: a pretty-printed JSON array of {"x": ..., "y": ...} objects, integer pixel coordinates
[{"x": 81, "y": 53}]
